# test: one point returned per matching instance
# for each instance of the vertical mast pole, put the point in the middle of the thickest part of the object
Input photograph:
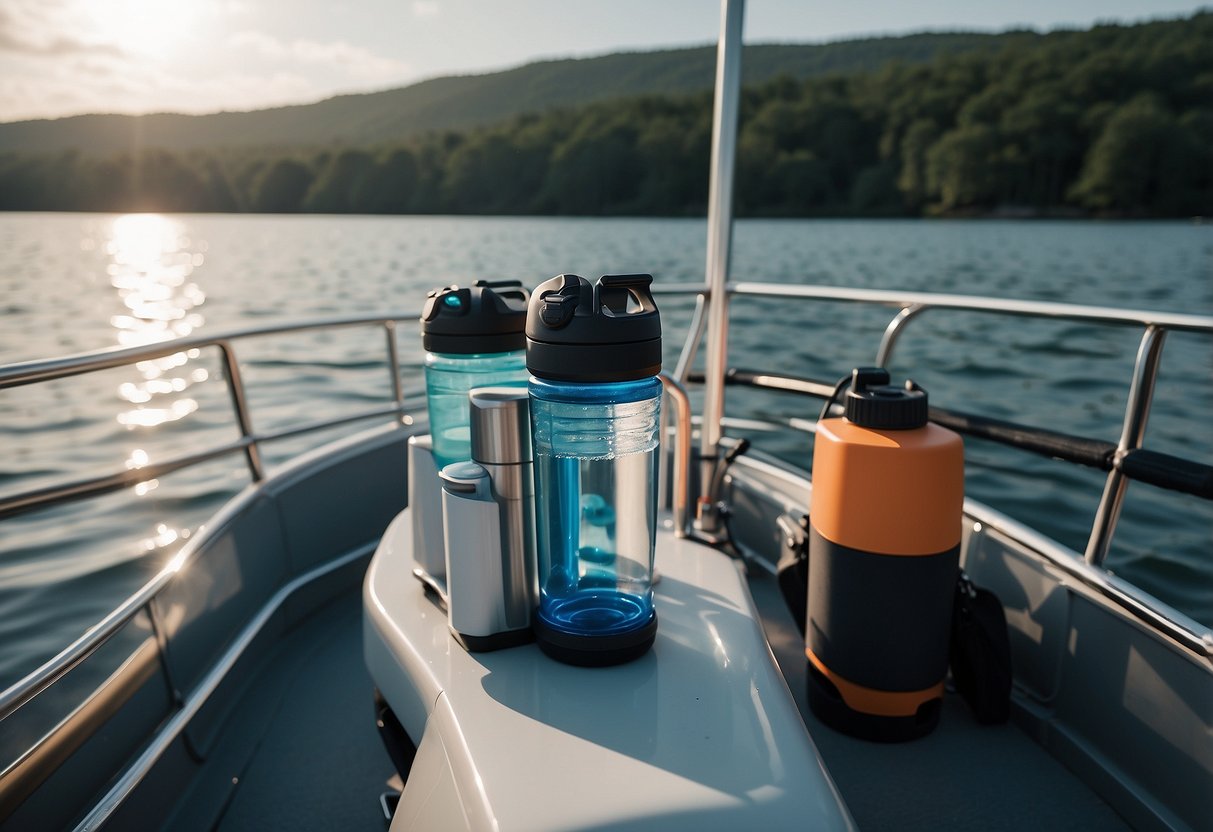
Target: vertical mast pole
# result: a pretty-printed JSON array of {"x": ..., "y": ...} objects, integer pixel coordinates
[{"x": 720, "y": 237}]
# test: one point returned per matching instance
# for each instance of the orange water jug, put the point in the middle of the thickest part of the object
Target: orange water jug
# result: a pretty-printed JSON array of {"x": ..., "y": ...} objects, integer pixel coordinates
[{"x": 884, "y": 548}]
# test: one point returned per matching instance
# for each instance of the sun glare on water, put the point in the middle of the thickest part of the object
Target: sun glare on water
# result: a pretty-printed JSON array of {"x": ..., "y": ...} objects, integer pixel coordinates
[{"x": 151, "y": 261}]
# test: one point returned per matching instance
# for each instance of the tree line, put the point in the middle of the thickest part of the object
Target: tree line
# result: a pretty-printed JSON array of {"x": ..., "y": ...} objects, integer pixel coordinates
[{"x": 1111, "y": 121}]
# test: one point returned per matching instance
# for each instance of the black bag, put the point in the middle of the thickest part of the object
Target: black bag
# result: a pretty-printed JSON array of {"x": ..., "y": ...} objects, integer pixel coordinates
[{"x": 981, "y": 652}]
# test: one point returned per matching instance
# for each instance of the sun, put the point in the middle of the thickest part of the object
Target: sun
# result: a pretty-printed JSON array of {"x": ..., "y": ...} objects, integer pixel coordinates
[{"x": 147, "y": 27}]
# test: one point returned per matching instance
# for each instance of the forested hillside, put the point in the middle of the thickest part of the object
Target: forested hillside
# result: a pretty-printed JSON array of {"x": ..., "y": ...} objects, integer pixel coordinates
[
  {"x": 469, "y": 101},
  {"x": 1111, "y": 121}
]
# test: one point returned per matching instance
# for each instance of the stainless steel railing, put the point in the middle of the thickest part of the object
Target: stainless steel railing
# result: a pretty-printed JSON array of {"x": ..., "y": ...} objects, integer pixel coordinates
[
  {"x": 677, "y": 394},
  {"x": 33, "y": 372},
  {"x": 250, "y": 441},
  {"x": 725, "y": 116},
  {"x": 911, "y": 306}
]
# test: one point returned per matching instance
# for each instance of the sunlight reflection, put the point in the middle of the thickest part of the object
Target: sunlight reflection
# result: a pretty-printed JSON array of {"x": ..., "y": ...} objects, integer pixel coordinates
[
  {"x": 149, "y": 417},
  {"x": 138, "y": 459},
  {"x": 150, "y": 266},
  {"x": 164, "y": 537}
]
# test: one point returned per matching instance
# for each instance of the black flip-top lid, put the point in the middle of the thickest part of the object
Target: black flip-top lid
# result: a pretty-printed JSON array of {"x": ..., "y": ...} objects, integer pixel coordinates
[
  {"x": 605, "y": 331},
  {"x": 874, "y": 403},
  {"x": 486, "y": 317}
]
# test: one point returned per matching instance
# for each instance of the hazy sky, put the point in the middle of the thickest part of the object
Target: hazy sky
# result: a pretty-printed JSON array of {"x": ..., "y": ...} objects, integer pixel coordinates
[{"x": 61, "y": 57}]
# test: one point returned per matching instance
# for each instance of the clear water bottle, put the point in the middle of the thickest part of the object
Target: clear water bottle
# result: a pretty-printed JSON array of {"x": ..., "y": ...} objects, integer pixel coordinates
[
  {"x": 473, "y": 337},
  {"x": 594, "y": 352}
]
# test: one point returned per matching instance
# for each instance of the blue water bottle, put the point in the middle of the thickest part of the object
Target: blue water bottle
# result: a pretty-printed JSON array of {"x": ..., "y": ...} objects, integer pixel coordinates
[
  {"x": 594, "y": 352},
  {"x": 473, "y": 337}
]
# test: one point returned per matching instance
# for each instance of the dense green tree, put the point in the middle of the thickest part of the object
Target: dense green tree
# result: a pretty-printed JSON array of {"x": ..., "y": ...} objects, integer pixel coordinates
[
  {"x": 1042, "y": 146},
  {"x": 391, "y": 187},
  {"x": 281, "y": 187},
  {"x": 875, "y": 191},
  {"x": 914, "y": 180},
  {"x": 163, "y": 181},
  {"x": 221, "y": 194},
  {"x": 596, "y": 170},
  {"x": 106, "y": 185},
  {"x": 341, "y": 180},
  {"x": 494, "y": 173},
  {"x": 1142, "y": 163},
  {"x": 963, "y": 168},
  {"x": 674, "y": 155},
  {"x": 23, "y": 183}
]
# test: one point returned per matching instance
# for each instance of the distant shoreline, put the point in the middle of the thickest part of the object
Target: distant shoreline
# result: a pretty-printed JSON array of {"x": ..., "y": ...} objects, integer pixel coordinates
[
  {"x": 988, "y": 216},
  {"x": 1109, "y": 123}
]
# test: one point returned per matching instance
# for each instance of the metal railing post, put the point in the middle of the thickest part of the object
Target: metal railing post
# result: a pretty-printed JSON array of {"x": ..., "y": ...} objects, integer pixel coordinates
[
  {"x": 720, "y": 232},
  {"x": 682, "y": 371},
  {"x": 691, "y": 345},
  {"x": 393, "y": 362},
  {"x": 893, "y": 331},
  {"x": 1133, "y": 432},
  {"x": 235, "y": 386},
  {"x": 677, "y": 394}
]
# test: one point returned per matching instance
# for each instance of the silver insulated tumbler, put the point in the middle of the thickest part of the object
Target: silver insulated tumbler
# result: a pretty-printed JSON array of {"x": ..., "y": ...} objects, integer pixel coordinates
[{"x": 488, "y": 508}]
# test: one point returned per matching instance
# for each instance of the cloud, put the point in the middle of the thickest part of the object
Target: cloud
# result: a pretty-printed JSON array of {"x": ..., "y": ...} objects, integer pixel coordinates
[
  {"x": 425, "y": 8},
  {"x": 354, "y": 60},
  {"x": 27, "y": 29},
  {"x": 148, "y": 90},
  {"x": 54, "y": 61}
]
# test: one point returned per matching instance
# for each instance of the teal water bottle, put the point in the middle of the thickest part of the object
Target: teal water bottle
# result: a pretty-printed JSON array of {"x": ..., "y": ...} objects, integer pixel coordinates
[
  {"x": 473, "y": 337},
  {"x": 594, "y": 352}
]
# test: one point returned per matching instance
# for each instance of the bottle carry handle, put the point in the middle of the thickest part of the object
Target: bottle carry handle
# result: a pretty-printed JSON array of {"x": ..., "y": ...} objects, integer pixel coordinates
[
  {"x": 618, "y": 292},
  {"x": 506, "y": 289}
]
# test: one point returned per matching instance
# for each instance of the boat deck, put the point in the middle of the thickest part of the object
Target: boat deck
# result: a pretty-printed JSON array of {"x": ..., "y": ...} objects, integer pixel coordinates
[
  {"x": 961, "y": 776},
  {"x": 302, "y": 749},
  {"x": 306, "y": 754}
]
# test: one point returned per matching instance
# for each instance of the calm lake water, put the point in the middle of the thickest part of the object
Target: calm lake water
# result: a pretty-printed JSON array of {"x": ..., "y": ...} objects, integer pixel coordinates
[{"x": 80, "y": 281}]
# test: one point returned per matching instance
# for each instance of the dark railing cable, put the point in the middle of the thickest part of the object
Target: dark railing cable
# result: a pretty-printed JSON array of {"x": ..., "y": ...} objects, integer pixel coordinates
[{"x": 1146, "y": 466}]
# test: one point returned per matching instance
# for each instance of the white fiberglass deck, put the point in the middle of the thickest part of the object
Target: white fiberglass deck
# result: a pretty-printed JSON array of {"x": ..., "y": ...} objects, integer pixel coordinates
[{"x": 699, "y": 733}]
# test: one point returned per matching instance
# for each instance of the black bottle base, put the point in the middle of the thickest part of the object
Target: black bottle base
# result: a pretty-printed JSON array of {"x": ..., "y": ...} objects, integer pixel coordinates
[
  {"x": 595, "y": 651},
  {"x": 828, "y": 706}
]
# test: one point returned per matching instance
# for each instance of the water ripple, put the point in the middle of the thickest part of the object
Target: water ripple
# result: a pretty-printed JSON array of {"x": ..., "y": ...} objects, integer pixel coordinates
[{"x": 78, "y": 282}]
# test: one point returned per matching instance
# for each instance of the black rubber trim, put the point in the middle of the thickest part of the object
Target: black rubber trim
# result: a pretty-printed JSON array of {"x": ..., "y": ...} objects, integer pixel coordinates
[
  {"x": 1094, "y": 453},
  {"x": 594, "y": 362},
  {"x": 490, "y": 344},
  {"x": 828, "y": 706},
  {"x": 595, "y": 651},
  {"x": 1142, "y": 465},
  {"x": 881, "y": 621},
  {"x": 1166, "y": 471},
  {"x": 497, "y": 641}
]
